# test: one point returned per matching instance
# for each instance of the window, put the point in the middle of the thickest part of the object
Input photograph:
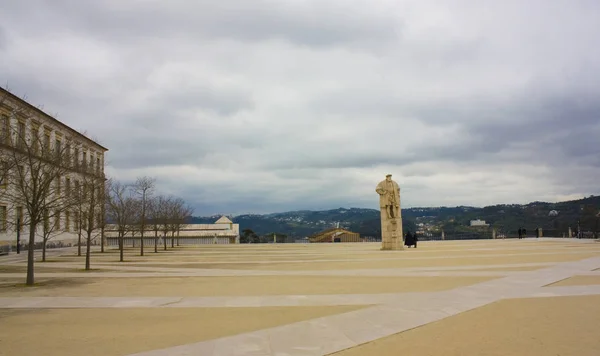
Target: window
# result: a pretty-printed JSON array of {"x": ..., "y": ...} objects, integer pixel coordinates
[
  {"x": 85, "y": 191},
  {"x": 58, "y": 148},
  {"x": 99, "y": 220},
  {"x": 57, "y": 220},
  {"x": 21, "y": 134},
  {"x": 5, "y": 134},
  {"x": 76, "y": 158},
  {"x": 77, "y": 192},
  {"x": 84, "y": 221},
  {"x": 20, "y": 218},
  {"x": 68, "y": 187},
  {"x": 98, "y": 164},
  {"x": 68, "y": 153},
  {"x": 35, "y": 137},
  {"x": 4, "y": 174},
  {"x": 76, "y": 222},
  {"x": 84, "y": 160},
  {"x": 47, "y": 141},
  {"x": 67, "y": 221},
  {"x": 21, "y": 174},
  {"x": 46, "y": 220},
  {"x": 3, "y": 218}
]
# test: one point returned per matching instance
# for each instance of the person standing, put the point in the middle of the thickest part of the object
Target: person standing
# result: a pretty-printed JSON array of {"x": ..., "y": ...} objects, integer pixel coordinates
[{"x": 410, "y": 239}]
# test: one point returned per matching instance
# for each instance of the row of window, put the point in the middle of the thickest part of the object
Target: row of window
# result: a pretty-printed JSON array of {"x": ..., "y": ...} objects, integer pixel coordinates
[
  {"x": 77, "y": 187},
  {"x": 75, "y": 158},
  {"x": 61, "y": 220}
]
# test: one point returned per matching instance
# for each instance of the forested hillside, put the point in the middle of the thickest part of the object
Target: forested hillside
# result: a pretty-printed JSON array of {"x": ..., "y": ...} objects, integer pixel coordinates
[{"x": 366, "y": 221}]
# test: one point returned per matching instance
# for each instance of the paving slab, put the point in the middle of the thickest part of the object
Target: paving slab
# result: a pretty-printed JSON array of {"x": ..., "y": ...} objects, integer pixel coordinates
[{"x": 545, "y": 262}]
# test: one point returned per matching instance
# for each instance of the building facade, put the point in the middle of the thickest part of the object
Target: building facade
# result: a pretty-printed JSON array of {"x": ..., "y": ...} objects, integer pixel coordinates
[
  {"x": 35, "y": 137},
  {"x": 223, "y": 231}
]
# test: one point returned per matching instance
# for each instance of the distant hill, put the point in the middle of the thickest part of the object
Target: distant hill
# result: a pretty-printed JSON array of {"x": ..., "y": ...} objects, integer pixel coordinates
[{"x": 506, "y": 217}]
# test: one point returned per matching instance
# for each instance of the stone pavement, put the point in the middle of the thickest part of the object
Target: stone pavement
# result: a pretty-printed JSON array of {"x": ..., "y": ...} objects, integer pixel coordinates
[
  {"x": 394, "y": 314},
  {"x": 386, "y": 314}
]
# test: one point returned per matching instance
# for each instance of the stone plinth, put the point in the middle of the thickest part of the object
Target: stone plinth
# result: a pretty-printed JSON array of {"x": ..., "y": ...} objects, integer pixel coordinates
[{"x": 391, "y": 233}]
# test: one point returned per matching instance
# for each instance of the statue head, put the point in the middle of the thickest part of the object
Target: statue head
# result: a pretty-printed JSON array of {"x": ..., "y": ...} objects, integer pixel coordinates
[{"x": 388, "y": 177}]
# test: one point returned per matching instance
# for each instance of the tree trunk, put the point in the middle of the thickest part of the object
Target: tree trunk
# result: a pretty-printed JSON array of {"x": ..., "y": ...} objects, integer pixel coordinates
[
  {"x": 165, "y": 240},
  {"x": 172, "y": 239},
  {"x": 87, "y": 250},
  {"x": 44, "y": 250},
  {"x": 32, "y": 229},
  {"x": 79, "y": 243},
  {"x": 102, "y": 239},
  {"x": 177, "y": 237},
  {"x": 121, "y": 247},
  {"x": 142, "y": 243},
  {"x": 155, "y": 241}
]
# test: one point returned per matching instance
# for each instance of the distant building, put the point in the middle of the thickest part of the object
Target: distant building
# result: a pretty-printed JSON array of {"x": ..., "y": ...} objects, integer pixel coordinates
[
  {"x": 223, "y": 231},
  {"x": 478, "y": 223},
  {"x": 553, "y": 213},
  {"x": 335, "y": 235}
]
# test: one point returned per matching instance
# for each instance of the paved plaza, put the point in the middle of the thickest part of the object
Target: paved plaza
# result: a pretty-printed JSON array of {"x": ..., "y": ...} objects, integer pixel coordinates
[{"x": 493, "y": 297}]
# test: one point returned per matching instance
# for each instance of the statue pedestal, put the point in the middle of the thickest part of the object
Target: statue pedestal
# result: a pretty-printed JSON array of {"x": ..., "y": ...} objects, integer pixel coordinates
[{"x": 392, "y": 237}]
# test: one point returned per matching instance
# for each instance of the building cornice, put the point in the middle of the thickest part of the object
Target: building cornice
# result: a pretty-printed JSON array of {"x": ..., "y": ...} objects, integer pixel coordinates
[{"x": 52, "y": 119}]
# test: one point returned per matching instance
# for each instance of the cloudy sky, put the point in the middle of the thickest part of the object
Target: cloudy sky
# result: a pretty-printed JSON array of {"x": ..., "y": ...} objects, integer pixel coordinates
[{"x": 261, "y": 106}]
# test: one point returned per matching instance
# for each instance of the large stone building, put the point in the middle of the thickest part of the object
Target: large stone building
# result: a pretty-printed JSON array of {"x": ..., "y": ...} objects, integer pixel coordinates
[
  {"x": 27, "y": 130},
  {"x": 223, "y": 231},
  {"x": 335, "y": 234}
]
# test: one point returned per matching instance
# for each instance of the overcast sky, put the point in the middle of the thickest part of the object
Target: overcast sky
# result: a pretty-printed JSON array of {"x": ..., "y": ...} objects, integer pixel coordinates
[{"x": 255, "y": 106}]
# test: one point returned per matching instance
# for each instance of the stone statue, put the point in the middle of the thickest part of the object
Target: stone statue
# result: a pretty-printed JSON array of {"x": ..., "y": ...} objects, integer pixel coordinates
[
  {"x": 391, "y": 217},
  {"x": 389, "y": 196}
]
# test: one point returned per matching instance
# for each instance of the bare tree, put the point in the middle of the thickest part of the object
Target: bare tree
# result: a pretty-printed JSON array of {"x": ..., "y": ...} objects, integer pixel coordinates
[
  {"x": 166, "y": 216},
  {"x": 32, "y": 166},
  {"x": 77, "y": 203},
  {"x": 134, "y": 223},
  {"x": 91, "y": 203},
  {"x": 120, "y": 208},
  {"x": 103, "y": 221},
  {"x": 49, "y": 229},
  {"x": 180, "y": 211},
  {"x": 144, "y": 188},
  {"x": 155, "y": 210}
]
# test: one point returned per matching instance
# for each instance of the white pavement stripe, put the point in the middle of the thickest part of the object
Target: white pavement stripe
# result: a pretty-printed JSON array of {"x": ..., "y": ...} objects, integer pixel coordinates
[
  {"x": 368, "y": 273},
  {"x": 403, "y": 257},
  {"x": 334, "y": 333}
]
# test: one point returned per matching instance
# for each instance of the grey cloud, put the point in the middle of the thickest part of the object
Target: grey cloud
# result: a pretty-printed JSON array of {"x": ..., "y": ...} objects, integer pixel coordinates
[
  {"x": 181, "y": 104},
  {"x": 266, "y": 105},
  {"x": 3, "y": 38},
  {"x": 311, "y": 23}
]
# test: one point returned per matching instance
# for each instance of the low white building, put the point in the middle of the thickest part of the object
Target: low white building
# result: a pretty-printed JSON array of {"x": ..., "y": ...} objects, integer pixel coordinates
[
  {"x": 223, "y": 231},
  {"x": 478, "y": 223}
]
